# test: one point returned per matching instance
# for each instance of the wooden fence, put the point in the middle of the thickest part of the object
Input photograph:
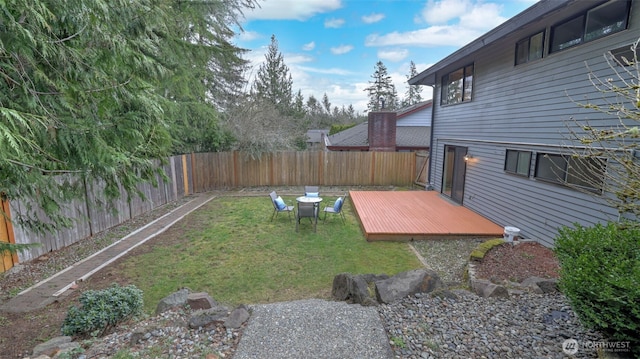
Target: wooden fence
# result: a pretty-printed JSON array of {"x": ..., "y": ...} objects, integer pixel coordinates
[
  {"x": 237, "y": 170},
  {"x": 202, "y": 172}
]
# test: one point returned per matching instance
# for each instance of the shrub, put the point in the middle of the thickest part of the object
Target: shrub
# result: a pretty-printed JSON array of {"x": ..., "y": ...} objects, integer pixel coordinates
[
  {"x": 600, "y": 275},
  {"x": 102, "y": 309}
]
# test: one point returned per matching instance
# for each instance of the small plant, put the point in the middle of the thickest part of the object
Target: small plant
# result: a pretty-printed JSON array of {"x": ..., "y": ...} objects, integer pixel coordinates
[
  {"x": 527, "y": 255},
  {"x": 71, "y": 354},
  {"x": 397, "y": 341},
  {"x": 102, "y": 309},
  {"x": 431, "y": 344}
]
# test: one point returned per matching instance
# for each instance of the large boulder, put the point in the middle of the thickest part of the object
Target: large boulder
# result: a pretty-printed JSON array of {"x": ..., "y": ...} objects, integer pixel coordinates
[
  {"x": 200, "y": 300},
  {"x": 237, "y": 317},
  {"x": 175, "y": 299},
  {"x": 486, "y": 289},
  {"x": 405, "y": 284},
  {"x": 204, "y": 317},
  {"x": 55, "y": 346},
  {"x": 356, "y": 288},
  {"x": 541, "y": 285}
]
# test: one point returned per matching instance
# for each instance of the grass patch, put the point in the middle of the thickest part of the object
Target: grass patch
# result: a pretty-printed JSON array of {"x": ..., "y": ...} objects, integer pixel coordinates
[{"x": 230, "y": 249}]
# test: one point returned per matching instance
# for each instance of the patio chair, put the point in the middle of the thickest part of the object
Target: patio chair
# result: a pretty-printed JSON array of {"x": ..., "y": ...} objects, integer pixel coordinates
[
  {"x": 311, "y": 191},
  {"x": 307, "y": 210},
  {"x": 279, "y": 206},
  {"x": 336, "y": 208}
]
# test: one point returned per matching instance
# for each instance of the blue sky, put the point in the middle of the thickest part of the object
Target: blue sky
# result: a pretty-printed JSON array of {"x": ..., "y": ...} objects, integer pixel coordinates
[{"x": 332, "y": 46}]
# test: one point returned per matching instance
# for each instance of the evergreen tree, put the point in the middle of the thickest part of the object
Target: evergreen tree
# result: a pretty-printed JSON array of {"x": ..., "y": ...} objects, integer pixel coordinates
[
  {"x": 298, "y": 105},
  {"x": 326, "y": 104},
  {"x": 90, "y": 87},
  {"x": 273, "y": 81},
  {"x": 413, "y": 94},
  {"x": 381, "y": 89}
]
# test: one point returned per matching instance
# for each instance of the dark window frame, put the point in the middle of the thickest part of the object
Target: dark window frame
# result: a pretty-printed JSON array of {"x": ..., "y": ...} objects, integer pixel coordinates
[
  {"x": 587, "y": 18},
  {"x": 465, "y": 83},
  {"x": 562, "y": 171},
  {"x": 525, "y": 45},
  {"x": 514, "y": 169}
]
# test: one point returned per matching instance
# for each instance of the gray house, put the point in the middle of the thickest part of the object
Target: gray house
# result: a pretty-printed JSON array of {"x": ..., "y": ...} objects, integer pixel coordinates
[
  {"x": 501, "y": 106},
  {"x": 412, "y": 132}
]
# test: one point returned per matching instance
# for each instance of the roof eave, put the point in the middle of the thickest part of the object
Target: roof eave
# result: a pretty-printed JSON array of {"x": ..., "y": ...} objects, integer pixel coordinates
[{"x": 542, "y": 8}]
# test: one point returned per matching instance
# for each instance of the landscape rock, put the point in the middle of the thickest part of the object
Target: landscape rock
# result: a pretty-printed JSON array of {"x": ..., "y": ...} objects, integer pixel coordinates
[
  {"x": 356, "y": 288},
  {"x": 55, "y": 346},
  {"x": 200, "y": 300},
  {"x": 204, "y": 317},
  {"x": 486, "y": 289},
  {"x": 407, "y": 283},
  {"x": 141, "y": 334},
  {"x": 545, "y": 285},
  {"x": 237, "y": 317},
  {"x": 175, "y": 299}
]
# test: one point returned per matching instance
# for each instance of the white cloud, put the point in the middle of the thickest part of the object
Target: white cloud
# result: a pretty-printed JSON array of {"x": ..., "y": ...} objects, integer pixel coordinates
[
  {"x": 373, "y": 18},
  {"x": 453, "y": 23},
  {"x": 310, "y": 46},
  {"x": 333, "y": 23},
  {"x": 331, "y": 71},
  {"x": 393, "y": 55},
  {"x": 249, "y": 35},
  {"x": 483, "y": 17},
  {"x": 441, "y": 12},
  {"x": 342, "y": 49},
  {"x": 477, "y": 15},
  {"x": 454, "y": 35},
  {"x": 291, "y": 9}
]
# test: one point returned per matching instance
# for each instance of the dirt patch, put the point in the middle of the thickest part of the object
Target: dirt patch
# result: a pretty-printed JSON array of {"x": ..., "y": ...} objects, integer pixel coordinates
[{"x": 518, "y": 262}]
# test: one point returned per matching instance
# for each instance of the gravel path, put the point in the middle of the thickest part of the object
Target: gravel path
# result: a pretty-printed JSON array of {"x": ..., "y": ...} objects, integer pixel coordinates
[{"x": 313, "y": 328}]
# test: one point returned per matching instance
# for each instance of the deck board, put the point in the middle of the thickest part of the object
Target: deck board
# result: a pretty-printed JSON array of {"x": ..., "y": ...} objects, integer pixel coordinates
[{"x": 409, "y": 215}]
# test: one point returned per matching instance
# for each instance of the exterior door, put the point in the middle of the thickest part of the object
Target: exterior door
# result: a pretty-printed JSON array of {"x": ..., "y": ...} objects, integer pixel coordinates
[{"x": 453, "y": 172}]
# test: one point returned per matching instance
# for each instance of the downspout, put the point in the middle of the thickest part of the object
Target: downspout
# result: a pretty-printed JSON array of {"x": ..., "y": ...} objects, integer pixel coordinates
[{"x": 429, "y": 186}]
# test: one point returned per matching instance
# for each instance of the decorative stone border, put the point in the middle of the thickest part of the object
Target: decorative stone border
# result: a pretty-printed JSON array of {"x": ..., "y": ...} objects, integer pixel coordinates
[{"x": 486, "y": 288}]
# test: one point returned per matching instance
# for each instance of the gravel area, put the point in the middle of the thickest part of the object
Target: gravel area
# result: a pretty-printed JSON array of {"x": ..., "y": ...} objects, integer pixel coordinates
[
  {"x": 313, "y": 328},
  {"x": 448, "y": 257},
  {"x": 525, "y": 326}
]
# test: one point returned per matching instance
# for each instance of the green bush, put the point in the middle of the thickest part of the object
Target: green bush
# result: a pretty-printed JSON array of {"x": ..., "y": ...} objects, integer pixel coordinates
[
  {"x": 102, "y": 309},
  {"x": 600, "y": 275}
]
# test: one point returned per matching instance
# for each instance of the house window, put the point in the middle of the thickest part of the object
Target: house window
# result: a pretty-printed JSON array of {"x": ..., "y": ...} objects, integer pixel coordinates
[
  {"x": 518, "y": 162},
  {"x": 457, "y": 86},
  {"x": 583, "y": 172},
  {"x": 607, "y": 19},
  {"x": 529, "y": 48},
  {"x": 600, "y": 21}
]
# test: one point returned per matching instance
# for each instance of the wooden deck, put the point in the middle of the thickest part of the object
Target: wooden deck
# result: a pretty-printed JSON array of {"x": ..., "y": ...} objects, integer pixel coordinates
[{"x": 415, "y": 215}]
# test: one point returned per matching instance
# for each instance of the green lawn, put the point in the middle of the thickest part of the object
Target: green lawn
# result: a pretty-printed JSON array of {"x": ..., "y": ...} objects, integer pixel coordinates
[{"x": 230, "y": 249}]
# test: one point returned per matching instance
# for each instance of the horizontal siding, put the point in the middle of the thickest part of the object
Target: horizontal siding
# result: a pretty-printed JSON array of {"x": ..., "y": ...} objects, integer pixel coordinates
[
  {"x": 530, "y": 106},
  {"x": 419, "y": 118}
]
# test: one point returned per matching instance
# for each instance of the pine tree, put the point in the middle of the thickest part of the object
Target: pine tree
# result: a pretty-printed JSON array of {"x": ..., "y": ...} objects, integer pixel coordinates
[
  {"x": 381, "y": 90},
  {"x": 412, "y": 96},
  {"x": 326, "y": 104},
  {"x": 273, "y": 81}
]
